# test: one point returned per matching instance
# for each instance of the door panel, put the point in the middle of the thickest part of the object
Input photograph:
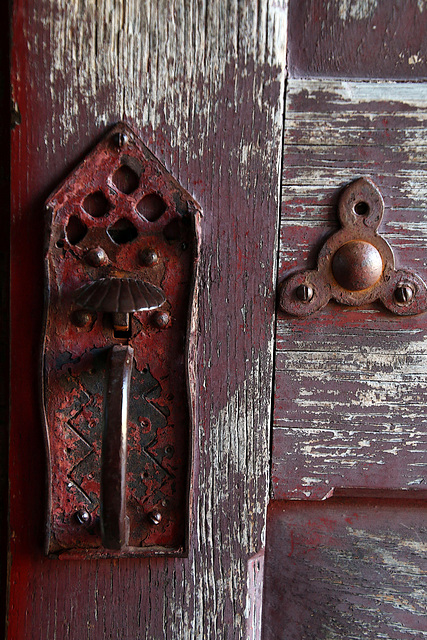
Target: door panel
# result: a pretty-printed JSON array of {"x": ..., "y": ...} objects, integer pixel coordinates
[
  {"x": 346, "y": 533},
  {"x": 348, "y": 568},
  {"x": 202, "y": 84},
  {"x": 358, "y": 39},
  {"x": 350, "y": 386}
]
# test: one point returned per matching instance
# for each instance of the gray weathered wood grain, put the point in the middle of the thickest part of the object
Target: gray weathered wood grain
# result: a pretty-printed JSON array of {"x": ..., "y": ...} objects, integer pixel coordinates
[
  {"x": 203, "y": 84},
  {"x": 350, "y": 383}
]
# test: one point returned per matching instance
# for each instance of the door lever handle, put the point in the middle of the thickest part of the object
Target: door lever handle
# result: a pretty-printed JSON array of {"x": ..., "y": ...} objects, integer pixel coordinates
[{"x": 120, "y": 297}]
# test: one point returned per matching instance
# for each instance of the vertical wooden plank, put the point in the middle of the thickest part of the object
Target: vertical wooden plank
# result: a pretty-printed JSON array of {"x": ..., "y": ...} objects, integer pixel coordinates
[
  {"x": 5, "y": 125},
  {"x": 203, "y": 84}
]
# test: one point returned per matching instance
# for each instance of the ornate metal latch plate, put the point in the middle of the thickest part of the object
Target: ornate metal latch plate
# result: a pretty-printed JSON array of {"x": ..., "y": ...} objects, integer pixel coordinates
[
  {"x": 118, "y": 355},
  {"x": 355, "y": 265}
]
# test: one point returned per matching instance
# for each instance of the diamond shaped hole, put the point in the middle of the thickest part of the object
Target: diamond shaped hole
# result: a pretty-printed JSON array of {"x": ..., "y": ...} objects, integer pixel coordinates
[
  {"x": 151, "y": 207},
  {"x": 125, "y": 179},
  {"x": 76, "y": 230},
  {"x": 122, "y": 231},
  {"x": 96, "y": 204}
]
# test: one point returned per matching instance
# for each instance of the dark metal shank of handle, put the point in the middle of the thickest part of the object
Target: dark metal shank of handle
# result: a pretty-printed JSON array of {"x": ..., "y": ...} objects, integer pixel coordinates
[{"x": 114, "y": 522}]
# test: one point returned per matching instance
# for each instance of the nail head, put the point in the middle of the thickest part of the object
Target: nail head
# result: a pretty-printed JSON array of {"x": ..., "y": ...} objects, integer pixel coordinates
[
  {"x": 83, "y": 516},
  {"x": 96, "y": 257},
  {"x": 121, "y": 139},
  {"x": 161, "y": 319},
  {"x": 155, "y": 517},
  {"x": 82, "y": 318},
  {"x": 148, "y": 257}
]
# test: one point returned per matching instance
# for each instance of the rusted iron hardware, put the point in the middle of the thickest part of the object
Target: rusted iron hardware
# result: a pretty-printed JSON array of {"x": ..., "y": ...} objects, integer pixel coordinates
[
  {"x": 118, "y": 358},
  {"x": 355, "y": 265}
]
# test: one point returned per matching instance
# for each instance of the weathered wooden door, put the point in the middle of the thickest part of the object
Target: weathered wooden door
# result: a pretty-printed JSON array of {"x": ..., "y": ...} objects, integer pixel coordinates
[
  {"x": 346, "y": 529},
  {"x": 203, "y": 85}
]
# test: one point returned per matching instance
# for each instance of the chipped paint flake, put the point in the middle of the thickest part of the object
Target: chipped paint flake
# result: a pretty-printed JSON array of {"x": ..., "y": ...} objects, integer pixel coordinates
[{"x": 356, "y": 9}]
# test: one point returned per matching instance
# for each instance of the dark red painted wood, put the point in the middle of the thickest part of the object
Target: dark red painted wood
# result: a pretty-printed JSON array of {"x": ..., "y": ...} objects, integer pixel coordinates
[
  {"x": 352, "y": 568},
  {"x": 358, "y": 39},
  {"x": 195, "y": 81},
  {"x": 5, "y": 125}
]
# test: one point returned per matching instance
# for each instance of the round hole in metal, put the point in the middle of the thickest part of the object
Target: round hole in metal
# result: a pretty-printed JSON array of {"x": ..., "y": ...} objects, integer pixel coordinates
[{"x": 361, "y": 208}]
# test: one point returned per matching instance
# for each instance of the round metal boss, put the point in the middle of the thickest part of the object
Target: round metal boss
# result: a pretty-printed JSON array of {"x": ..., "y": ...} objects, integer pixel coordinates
[{"x": 357, "y": 265}]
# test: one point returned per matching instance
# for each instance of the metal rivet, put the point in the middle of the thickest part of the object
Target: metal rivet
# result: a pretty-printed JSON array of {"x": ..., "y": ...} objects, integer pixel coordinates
[
  {"x": 121, "y": 139},
  {"x": 403, "y": 294},
  {"x": 96, "y": 257},
  {"x": 148, "y": 257},
  {"x": 82, "y": 318},
  {"x": 304, "y": 292},
  {"x": 83, "y": 516},
  {"x": 161, "y": 319},
  {"x": 155, "y": 517}
]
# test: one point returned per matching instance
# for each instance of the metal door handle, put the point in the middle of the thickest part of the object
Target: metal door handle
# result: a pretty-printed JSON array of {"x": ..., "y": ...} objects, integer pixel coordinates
[
  {"x": 114, "y": 521},
  {"x": 122, "y": 247},
  {"x": 119, "y": 297}
]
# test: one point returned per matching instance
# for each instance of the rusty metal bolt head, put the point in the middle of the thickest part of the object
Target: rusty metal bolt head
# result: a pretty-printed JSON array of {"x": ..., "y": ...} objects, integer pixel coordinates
[
  {"x": 82, "y": 318},
  {"x": 83, "y": 516},
  {"x": 403, "y": 294},
  {"x": 121, "y": 140},
  {"x": 148, "y": 257},
  {"x": 155, "y": 517},
  {"x": 304, "y": 292},
  {"x": 161, "y": 319},
  {"x": 357, "y": 265},
  {"x": 96, "y": 257}
]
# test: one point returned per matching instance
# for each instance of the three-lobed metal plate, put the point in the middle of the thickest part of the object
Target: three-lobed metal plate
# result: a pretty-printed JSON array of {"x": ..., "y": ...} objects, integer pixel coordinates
[{"x": 355, "y": 266}]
